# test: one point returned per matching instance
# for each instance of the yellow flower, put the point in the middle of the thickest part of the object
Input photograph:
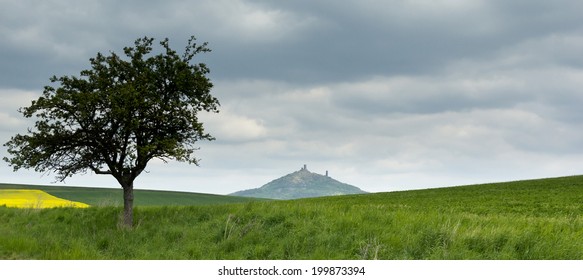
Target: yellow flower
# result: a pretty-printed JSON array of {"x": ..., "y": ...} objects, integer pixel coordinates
[{"x": 34, "y": 199}]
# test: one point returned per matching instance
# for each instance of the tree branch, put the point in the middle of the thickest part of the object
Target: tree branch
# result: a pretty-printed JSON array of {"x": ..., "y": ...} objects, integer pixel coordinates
[{"x": 100, "y": 172}]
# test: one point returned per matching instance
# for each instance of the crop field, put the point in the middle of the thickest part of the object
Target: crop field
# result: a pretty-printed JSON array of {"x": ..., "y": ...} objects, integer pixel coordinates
[
  {"x": 534, "y": 219},
  {"x": 34, "y": 199}
]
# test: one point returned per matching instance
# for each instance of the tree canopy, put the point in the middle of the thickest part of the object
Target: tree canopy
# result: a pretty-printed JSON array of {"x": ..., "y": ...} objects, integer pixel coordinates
[{"x": 119, "y": 115}]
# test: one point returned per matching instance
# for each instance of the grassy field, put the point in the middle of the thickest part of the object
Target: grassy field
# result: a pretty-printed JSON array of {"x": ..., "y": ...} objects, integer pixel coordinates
[
  {"x": 536, "y": 219},
  {"x": 114, "y": 196}
]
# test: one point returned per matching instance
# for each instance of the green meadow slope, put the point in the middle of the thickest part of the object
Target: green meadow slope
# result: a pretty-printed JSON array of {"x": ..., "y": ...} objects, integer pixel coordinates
[
  {"x": 114, "y": 197},
  {"x": 534, "y": 219}
]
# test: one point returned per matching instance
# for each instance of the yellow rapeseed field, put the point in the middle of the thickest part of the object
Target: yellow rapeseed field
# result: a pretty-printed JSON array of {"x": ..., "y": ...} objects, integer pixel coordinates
[{"x": 34, "y": 199}]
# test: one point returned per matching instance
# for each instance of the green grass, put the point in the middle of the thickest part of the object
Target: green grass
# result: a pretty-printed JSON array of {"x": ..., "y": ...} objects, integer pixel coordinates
[
  {"x": 536, "y": 219},
  {"x": 114, "y": 196}
]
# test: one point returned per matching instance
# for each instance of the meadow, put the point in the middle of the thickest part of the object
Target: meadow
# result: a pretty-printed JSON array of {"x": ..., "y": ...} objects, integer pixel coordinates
[{"x": 533, "y": 219}]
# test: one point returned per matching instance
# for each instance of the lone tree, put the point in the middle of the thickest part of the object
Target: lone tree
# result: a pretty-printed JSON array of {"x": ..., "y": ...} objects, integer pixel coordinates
[{"x": 119, "y": 115}]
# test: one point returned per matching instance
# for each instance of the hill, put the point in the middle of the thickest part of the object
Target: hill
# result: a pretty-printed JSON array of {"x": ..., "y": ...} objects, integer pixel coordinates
[
  {"x": 114, "y": 197},
  {"x": 531, "y": 219},
  {"x": 301, "y": 184}
]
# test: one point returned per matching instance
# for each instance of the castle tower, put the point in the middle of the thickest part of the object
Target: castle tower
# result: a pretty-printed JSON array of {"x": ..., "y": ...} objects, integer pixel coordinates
[{"x": 326, "y": 173}]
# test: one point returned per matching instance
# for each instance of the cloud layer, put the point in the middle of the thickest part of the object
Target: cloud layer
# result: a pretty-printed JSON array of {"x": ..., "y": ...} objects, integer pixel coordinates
[{"x": 386, "y": 95}]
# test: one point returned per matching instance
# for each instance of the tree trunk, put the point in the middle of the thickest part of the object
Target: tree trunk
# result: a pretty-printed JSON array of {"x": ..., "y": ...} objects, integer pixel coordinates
[{"x": 128, "y": 205}]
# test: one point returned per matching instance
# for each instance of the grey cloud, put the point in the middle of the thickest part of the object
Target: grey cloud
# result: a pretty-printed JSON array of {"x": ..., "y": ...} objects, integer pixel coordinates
[
  {"x": 382, "y": 93},
  {"x": 388, "y": 38},
  {"x": 326, "y": 43}
]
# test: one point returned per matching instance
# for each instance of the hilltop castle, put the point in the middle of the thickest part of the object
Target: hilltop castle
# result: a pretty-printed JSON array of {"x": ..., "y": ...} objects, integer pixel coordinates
[{"x": 306, "y": 169}]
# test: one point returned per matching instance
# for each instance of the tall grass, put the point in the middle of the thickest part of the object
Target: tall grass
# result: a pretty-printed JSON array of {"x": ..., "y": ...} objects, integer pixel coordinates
[{"x": 541, "y": 219}]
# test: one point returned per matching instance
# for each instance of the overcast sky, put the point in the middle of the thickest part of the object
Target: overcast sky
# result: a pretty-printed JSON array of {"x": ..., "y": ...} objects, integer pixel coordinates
[{"x": 385, "y": 95}]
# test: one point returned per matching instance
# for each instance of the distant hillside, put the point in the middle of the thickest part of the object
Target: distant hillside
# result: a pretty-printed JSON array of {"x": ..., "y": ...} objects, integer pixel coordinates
[
  {"x": 301, "y": 184},
  {"x": 114, "y": 197}
]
